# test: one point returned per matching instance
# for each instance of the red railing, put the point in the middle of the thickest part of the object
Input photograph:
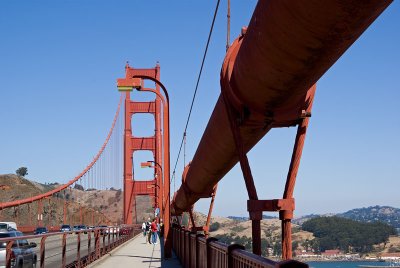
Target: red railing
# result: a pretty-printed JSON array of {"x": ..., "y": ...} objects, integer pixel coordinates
[
  {"x": 105, "y": 239},
  {"x": 195, "y": 251}
]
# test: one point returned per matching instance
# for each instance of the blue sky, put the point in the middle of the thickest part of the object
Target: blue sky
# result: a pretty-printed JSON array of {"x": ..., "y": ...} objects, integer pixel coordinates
[{"x": 59, "y": 61}]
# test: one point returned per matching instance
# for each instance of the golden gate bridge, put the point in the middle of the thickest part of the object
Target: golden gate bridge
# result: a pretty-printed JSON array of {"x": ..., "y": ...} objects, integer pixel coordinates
[{"x": 268, "y": 80}]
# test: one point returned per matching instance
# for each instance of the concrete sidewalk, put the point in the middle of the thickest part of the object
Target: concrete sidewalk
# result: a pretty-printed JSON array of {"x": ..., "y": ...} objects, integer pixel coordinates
[{"x": 136, "y": 253}]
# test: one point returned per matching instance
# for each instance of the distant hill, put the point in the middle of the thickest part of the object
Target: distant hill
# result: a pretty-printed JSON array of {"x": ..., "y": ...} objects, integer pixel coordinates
[
  {"x": 303, "y": 219},
  {"x": 109, "y": 202},
  {"x": 347, "y": 234},
  {"x": 238, "y": 218},
  {"x": 386, "y": 214}
]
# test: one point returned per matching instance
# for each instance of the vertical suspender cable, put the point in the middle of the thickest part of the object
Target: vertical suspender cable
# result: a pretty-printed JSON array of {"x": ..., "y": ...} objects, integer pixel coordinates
[
  {"x": 228, "y": 26},
  {"x": 184, "y": 150}
]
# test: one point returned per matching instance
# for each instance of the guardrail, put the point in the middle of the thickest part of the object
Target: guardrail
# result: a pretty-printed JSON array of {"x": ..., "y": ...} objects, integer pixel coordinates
[
  {"x": 195, "y": 251},
  {"x": 98, "y": 242}
]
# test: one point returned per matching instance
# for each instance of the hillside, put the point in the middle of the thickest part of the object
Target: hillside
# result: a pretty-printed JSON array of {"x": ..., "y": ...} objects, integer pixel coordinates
[
  {"x": 109, "y": 202},
  {"x": 386, "y": 214},
  {"x": 348, "y": 235},
  {"x": 230, "y": 230},
  {"x": 238, "y": 230}
]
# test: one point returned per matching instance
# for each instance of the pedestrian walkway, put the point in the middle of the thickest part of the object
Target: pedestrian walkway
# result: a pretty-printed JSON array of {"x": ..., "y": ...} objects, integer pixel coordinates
[{"x": 136, "y": 253}]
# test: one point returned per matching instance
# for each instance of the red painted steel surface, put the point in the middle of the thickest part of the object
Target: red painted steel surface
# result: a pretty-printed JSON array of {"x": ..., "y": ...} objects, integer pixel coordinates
[
  {"x": 161, "y": 154},
  {"x": 267, "y": 74},
  {"x": 143, "y": 107},
  {"x": 133, "y": 188},
  {"x": 144, "y": 143}
]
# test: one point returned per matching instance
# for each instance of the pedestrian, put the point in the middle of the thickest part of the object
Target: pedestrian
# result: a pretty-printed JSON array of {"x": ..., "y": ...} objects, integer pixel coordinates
[
  {"x": 148, "y": 229},
  {"x": 161, "y": 229},
  {"x": 154, "y": 232},
  {"x": 144, "y": 230}
]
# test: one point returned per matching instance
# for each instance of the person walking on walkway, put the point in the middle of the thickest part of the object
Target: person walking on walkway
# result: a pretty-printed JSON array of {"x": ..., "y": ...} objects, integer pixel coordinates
[
  {"x": 161, "y": 229},
  {"x": 148, "y": 230},
  {"x": 144, "y": 230},
  {"x": 154, "y": 232}
]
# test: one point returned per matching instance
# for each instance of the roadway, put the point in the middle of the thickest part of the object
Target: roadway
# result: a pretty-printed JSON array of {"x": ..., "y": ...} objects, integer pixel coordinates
[
  {"x": 136, "y": 253},
  {"x": 53, "y": 245}
]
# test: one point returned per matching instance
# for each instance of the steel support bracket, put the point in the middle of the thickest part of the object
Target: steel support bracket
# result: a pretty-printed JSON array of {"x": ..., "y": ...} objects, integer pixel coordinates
[
  {"x": 284, "y": 206},
  {"x": 199, "y": 229}
]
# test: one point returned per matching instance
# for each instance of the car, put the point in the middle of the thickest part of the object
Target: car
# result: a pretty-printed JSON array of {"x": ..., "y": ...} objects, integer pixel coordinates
[
  {"x": 112, "y": 230},
  {"x": 103, "y": 229},
  {"x": 22, "y": 254},
  {"x": 79, "y": 228},
  {"x": 65, "y": 228},
  {"x": 41, "y": 230}
]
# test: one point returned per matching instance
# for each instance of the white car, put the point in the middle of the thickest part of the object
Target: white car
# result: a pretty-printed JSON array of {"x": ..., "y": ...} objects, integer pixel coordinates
[{"x": 22, "y": 254}]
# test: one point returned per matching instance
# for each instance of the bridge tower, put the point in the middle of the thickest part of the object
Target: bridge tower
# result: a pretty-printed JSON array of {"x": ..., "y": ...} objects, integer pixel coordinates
[{"x": 132, "y": 144}]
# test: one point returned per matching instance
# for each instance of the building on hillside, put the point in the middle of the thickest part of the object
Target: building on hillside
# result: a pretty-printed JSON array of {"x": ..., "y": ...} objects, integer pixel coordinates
[
  {"x": 390, "y": 256},
  {"x": 302, "y": 254},
  {"x": 331, "y": 253}
]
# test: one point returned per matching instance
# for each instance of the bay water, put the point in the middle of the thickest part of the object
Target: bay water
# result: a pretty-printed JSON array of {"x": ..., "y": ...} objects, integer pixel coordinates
[{"x": 344, "y": 264}]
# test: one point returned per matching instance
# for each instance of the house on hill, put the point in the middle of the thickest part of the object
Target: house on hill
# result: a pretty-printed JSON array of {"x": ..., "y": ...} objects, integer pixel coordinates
[
  {"x": 332, "y": 253},
  {"x": 390, "y": 256}
]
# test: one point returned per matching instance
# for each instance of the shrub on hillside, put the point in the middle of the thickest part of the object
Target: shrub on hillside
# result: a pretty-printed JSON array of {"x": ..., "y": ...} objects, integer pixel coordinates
[
  {"x": 79, "y": 187},
  {"x": 214, "y": 226}
]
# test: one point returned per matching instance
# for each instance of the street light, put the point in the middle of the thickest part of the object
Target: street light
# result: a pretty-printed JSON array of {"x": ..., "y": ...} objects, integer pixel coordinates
[{"x": 149, "y": 164}]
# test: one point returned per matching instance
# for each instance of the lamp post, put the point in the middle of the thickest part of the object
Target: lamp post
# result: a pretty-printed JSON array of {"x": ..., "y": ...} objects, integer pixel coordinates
[
  {"x": 157, "y": 181},
  {"x": 128, "y": 85}
]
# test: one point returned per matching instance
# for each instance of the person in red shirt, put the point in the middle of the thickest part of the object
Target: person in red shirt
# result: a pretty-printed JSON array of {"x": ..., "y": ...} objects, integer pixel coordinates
[{"x": 154, "y": 232}]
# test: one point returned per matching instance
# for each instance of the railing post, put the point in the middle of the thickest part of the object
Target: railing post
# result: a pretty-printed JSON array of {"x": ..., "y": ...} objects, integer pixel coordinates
[
  {"x": 187, "y": 249},
  {"x": 42, "y": 251},
  {"x": 108, "y": 239},
  {"x": 195, "y": 250},
  {"x": 230, "y": 249},
  {"x": 97, "y": 243},
  {"x": 89, "y": 246},
  {"x": 64, "y": 249},
  {"x": 104, "y": 242},
  {"x": 208, "y": 250},
  {"x": 78, "y": 250},
  {"x": 8, "y": 253}
]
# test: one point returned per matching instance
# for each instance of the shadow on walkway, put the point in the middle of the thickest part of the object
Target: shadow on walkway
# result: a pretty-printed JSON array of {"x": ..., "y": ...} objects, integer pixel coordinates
[{"x": 137, "y": 253}]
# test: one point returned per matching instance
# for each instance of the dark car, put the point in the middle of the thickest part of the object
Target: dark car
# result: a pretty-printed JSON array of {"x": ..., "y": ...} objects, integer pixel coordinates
[
  {"x": 65, "y": 228},
  {"x": 80, "y": 227},
  {"x": 41, "y": 230},
  {"x": 22, "y": 254},
  {"x": 103, "y": 230}
]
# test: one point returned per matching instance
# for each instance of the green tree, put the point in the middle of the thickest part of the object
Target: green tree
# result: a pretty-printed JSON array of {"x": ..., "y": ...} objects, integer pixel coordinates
[
  {"x": 347, "y": 235},
  {"x": 277, "y": 248},
  {"x": 214, "y": 226},
  {"x": 22, "y": 171}
]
